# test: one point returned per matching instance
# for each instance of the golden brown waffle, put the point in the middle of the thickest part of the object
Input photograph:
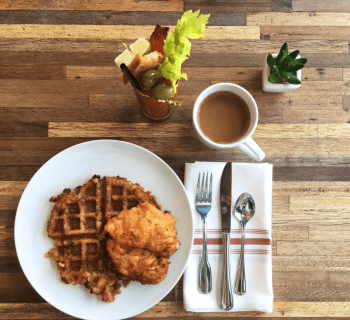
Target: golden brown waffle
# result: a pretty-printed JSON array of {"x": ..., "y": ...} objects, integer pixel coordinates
[
  {"x": 78, "y": 212},
  {"x": 83, "y": 261},
  {"x": 77, "y": 224},
  {"x": 122, "y": 194}
]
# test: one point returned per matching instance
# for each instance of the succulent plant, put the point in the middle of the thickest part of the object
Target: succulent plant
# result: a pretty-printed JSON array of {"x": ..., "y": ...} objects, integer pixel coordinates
[{"x": 284, "y": 65}]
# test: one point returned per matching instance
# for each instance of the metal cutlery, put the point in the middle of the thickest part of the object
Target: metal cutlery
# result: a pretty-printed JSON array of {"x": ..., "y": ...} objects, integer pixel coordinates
[
  {"x": 203, "y": 206},
  {"x": 226, "y": 298},
  {"x": 244, "y": 211}
]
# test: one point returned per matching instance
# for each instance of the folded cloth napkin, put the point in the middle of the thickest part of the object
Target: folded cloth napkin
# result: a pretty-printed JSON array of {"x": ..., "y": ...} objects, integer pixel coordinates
[{"x": 257, "y": 180}]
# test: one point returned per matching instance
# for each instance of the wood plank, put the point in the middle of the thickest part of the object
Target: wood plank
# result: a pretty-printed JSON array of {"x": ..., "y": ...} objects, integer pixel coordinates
[
  {"x": 287, "y": 33},
  {"x": 311, "y": 294},
  {"x": 319, "y": 205},
  {"x": 326, "y": 60},
  {"x": 62, "y": 45},
  {"x": 329, "y": 19},
  {"x": 18, "y": 158},
  {"x": 175, "y": 310},
  {"x": 334, "y": 131},
  {"x": 17, "y": 173},
  {"x": 10, "y": 86},
  {"x": 94, "y": 17},
  {"x": 331, "y": 233},
  {"x": 300, "y": 102},
  {"x": 23, "y": 129},
  {"x": 14, "y": 58},
  {"x": 81, "y": 129},
  {"x": 310, "y": 263},
  {"x": 315, "y": 116},
  {"x": 32, "y": 72},
  {"x": 346, "y": 74},
  {"x": 8, "y": 203},
  {"x": 310, "y": 173},
  {"x": 198, "y": 46},
  {"x": 204, "y": 73},
  {"x": 76, "y": 129},
  {"x": 309, "y": 279},
  {"x": 111, "y": 32},
  {"x": 238, "y": 5},
  {"x": 10, "y": 265},
  {"x": 334, "y": 5},
  {"x": 316, "y": 88},
  {"x": 12, "y": 188},
  {"x": 315, "y": 248},
  {"x": 168, "y": 5},
  {"x": 71, "y": 101},
  {"x": 290, "y": 232},
  {"x": 119, "y": 111},
  {"x": 85, "y": 87}
]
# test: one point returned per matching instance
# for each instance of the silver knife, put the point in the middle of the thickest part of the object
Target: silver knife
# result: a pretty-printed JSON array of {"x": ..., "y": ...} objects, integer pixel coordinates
[{"x": 226, "y": 298}]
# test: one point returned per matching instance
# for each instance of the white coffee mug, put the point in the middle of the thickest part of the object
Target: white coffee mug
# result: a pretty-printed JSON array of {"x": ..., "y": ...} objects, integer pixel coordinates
[{"x": 246, "y": 143}]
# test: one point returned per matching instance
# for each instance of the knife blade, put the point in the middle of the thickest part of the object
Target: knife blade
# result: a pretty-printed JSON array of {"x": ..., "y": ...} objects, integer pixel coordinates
[{"x": 226, "y": 298}]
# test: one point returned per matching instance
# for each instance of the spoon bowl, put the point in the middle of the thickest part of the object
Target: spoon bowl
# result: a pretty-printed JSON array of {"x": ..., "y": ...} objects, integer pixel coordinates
[{"x": 244, "y": 210}]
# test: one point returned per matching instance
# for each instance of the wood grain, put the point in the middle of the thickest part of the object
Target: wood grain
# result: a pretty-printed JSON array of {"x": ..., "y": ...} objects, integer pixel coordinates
[
  {"x": 334, "y": 5},
  {"x": 110, "y": 32},
  {"x": 174, "y": 309},
  {"x": 238, "y": 5},
  {"x": 166, "y": 5},
  {"x": 287, "y": 33},
  {"x": 201, "y": 73},
  {"x": 112, "y": 17},
  {"x": 329, "y": 19},
  {"x": 59, "y": 86}
]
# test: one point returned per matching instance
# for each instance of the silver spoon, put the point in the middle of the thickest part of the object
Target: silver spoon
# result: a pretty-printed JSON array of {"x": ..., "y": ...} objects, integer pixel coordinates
[{"x": 244, "y": 211}]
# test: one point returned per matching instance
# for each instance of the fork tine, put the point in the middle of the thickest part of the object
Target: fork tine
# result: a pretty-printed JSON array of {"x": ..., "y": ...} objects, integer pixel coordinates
[
  {"x": 198, "y": 188},
  {"x": 206, "y": 195},
  {"x": 210, "y": 187},
  {"x": 202, "y": 199}
]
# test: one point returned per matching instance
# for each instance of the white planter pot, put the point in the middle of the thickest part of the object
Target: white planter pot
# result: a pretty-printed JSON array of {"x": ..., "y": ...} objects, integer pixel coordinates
[{"x": 277, "y": 87}]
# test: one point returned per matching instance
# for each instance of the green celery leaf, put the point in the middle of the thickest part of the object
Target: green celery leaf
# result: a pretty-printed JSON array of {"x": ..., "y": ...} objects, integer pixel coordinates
[
  {"x": 177, "y": 47},
  {"x": 289, "y": 77},
  {"x": 273, "y": 77},
  {"x": 270, "y": 60},
  {"x": 282, "y": 54}
]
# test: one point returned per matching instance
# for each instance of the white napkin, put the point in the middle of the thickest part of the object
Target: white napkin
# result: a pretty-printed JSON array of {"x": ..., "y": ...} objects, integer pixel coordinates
[{"x": 257, "y": 180}]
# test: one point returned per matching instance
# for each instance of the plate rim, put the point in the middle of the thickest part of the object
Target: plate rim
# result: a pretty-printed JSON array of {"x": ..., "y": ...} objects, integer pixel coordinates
[{"x": 16, "y": 231}]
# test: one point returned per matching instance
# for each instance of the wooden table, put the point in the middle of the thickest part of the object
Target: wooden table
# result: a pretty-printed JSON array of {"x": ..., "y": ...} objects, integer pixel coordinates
[{"x": 59, "y": 87}]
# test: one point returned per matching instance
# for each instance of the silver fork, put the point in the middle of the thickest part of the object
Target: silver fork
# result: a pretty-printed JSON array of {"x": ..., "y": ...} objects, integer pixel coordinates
[{"x": 203, "y": 206}]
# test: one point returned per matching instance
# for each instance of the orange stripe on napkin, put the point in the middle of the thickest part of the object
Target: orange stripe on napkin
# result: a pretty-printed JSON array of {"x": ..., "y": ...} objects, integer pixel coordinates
[{"x": 218, "y": 241}]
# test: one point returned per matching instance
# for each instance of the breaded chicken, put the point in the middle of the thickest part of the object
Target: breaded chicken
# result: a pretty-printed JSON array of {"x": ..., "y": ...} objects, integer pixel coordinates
[
  {"x": 138, "y": 264},
  {"x": 144, "y": 226},
  {"x": 143, "y": 239}
]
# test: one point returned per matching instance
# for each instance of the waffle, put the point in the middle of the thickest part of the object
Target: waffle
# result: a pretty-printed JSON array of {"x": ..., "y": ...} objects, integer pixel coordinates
[
  {"x": 77, "y": 213},
  {"x": 122, "y": 194},
  {"x": 82, "y": 261},
  {"x": 76, "y": 226}
]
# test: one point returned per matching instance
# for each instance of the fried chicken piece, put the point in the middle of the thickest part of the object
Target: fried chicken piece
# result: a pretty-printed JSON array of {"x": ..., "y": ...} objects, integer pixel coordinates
[
  {"x": 138, "y": 264},
  {"x": 146, "y": 227},
  {"x": 143, "y": 239}
]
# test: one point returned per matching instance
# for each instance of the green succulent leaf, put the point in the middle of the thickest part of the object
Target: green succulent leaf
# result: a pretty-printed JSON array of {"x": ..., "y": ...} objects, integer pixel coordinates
[
  {"x": 282, "y": 54},
  {"x": 270, "y": 61},
  {"x": 273, "y": 77},
  {"x": 293, "y": 54},
  {"x": 294, "y": 65},
  {"x": 289, "y": 77}
]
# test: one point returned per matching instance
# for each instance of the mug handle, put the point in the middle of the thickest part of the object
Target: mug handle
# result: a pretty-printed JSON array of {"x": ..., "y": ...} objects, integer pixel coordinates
[{"x": 250, "y": 148}]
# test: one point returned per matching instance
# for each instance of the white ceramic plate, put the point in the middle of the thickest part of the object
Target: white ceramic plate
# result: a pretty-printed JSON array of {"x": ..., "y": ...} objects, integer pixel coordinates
[{"x": 73, "y": 167}]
